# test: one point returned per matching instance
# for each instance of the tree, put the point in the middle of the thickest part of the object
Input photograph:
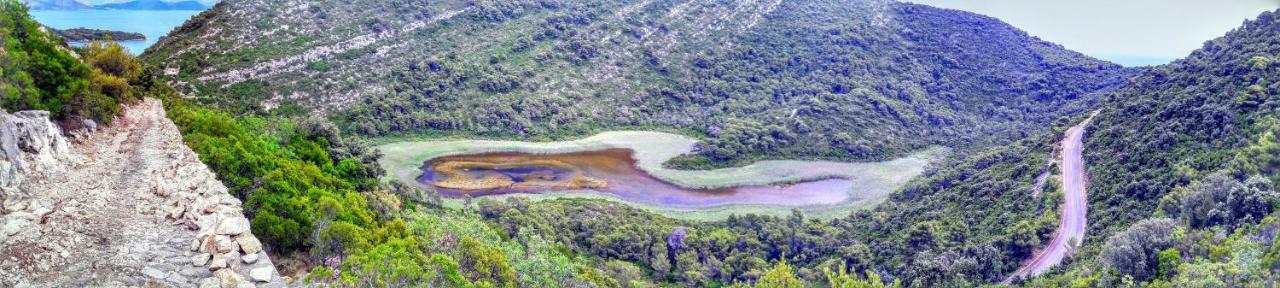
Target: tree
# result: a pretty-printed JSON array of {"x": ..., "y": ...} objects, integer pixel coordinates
[
  {"x": 841, "y": 278},
  {"x": 394, "y": 263},
  {"x": 486, "y": 263},
  {"x": 1221, "y": 199},
  {"x": 780, "y": 276},
  {"x": 1133, "y": 252}
]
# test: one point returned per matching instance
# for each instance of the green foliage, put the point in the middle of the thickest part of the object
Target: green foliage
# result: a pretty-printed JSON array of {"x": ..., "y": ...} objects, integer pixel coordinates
[
  {"x": 38, "y": 71},
  {"x": 486, "y": 263},
  {"x": 780, "y": 276},
  {"x": 825, "y": 79},
  {"x": 1134, "y": 251},
  {"x": 1221, "y": 199},
  {"x": 841, "y": 278},
  {"x": 394, "y": 263}
]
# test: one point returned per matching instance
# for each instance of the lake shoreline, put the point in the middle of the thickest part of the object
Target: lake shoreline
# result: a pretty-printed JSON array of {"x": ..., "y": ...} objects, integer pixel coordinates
[{"x": 874, "y": 180}]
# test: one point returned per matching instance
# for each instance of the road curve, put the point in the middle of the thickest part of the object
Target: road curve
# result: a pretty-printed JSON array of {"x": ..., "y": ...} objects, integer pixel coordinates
[{"x": 1072, "y": 223}]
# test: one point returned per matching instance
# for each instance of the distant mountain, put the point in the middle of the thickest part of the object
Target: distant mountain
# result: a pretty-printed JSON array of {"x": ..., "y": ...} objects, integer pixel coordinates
[
  {"x": 153, "y": 5},
  {"x": 56, "y": 5}
]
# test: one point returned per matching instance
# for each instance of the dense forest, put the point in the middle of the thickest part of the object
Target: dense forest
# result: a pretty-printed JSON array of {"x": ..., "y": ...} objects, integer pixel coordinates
[{"x": 810, "y": 79}]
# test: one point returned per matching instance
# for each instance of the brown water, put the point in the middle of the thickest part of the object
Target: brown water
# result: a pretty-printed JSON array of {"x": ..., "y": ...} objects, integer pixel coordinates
[{"x": 610, "y": 171}]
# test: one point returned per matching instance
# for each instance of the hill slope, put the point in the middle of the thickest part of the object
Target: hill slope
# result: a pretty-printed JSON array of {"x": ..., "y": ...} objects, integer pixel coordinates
[{"x": 761, "y": 79}]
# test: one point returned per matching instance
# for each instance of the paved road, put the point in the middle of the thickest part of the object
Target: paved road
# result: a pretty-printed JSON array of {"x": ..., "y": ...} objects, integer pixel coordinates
[{"x": 1072, "y": 223}]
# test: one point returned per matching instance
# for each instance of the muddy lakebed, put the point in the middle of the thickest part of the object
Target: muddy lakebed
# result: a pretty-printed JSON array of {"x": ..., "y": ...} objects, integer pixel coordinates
[
  {"x": 627, "y": 167},
  {"x": 612, "y": 171}
]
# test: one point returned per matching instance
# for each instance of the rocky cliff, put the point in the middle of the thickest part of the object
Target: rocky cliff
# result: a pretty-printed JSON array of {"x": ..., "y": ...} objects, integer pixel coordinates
[{"x": 130, "y": 205}]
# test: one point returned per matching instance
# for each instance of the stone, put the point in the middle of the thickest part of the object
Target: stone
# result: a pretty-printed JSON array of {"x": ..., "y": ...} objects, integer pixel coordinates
[
  {"x": 249, "y": 244},
  {"x": 233, "y": 259},
  {"x": 153, "y": 273},
  {"x": 218, "y": 263},
  {"x": 12, "y": 227},
  {"x": 233, "y": 226},
  {"x": 211, "y": 282},
  {"x": 250, "y": 258},
  {"x": 261, "y": 274},
  {"x": 175, "y": 212},
  {"x": 195, "y": 244},
  {"x": 159, "y": 191},
  {"x": 208, "y": 244},
  {"x": 200, "y": 259},
  {"x": 224, "y": 244},
  {"x": 228, "y": 278},
  {"x": 176, "y": 277}
]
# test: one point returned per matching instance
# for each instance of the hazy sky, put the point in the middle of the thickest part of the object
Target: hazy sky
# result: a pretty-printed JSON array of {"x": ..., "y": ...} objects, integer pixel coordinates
[{"x": 1130, "y": 32}]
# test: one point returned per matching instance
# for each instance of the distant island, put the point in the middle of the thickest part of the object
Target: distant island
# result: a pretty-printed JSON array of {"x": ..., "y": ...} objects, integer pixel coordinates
[
  {"x": 86, "y": 35},
  {"x": 130, "y": 5}
]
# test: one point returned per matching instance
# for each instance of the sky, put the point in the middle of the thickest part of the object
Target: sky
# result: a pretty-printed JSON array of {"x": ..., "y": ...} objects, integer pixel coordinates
[{"x": 1129, "y": 32}]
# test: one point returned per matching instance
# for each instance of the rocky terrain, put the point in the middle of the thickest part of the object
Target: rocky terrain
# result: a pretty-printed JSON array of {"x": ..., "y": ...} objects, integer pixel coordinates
[{"x": 130, "y": 205}]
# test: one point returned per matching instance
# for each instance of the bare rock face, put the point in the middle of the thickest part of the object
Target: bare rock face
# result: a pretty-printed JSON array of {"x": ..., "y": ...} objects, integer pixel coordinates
[
  {"x": 128, "y": 205},
  {"x": 28, "y": 142}
]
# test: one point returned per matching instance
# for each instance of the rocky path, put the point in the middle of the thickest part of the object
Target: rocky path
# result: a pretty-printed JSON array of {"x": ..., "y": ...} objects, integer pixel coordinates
[
  {"x": 129, "y": 206},
  {"x": 1073, "y": 221}
]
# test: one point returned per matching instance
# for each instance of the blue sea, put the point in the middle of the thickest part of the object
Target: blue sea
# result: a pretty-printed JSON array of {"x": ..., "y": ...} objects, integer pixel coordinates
[{"x": 148, "y": 22}]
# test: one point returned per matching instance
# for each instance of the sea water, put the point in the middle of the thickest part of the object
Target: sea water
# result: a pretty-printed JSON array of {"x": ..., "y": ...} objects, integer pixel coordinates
[{"x": 152, "y": 23}]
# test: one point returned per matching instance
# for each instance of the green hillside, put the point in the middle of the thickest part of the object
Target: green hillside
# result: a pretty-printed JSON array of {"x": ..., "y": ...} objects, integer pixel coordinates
[{"x": 856, "y": 80}]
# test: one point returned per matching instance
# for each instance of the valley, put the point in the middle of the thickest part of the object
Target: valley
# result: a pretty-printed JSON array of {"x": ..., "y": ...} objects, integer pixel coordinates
[
  {"x": 634, "y": 161},
  {"x": 621, "y": 144}
]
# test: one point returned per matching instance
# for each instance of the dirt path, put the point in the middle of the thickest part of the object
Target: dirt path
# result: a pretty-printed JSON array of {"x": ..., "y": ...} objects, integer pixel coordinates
[
  {"x": 1072, "y": 222},
  {"x": 121, "y": 211}
]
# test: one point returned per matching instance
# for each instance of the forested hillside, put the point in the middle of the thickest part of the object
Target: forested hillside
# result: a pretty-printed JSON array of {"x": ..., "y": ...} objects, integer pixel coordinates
[
  {"x": 1183, "y": 158},
  {"x": 759, "y": 79},
  {"x": 1184, "y": 166}
]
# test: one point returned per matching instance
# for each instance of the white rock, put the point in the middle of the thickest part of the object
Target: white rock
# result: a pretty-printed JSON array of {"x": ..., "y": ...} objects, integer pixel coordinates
[
  {"x": 211, "y": 282},
  {"x": 13, "y": 226},
  {"x": 249, "y": 244},
  {"x": 249, "y": 258},
  {"x": 218, "y": 263},
  {"x": 260, "y": 274},
  {"x": 224, "y": 244},
  {"x": 233, "y": 226},
  {"x": 153, "y": 273},
  {"x": 228, "y": 278},
  {"x": 200, "y": 259}
]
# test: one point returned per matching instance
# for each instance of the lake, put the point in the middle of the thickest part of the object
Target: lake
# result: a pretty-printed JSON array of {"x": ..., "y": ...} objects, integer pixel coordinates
[
  {"x": 611, "y": 171},
  {"x": 154, "y": 24}
]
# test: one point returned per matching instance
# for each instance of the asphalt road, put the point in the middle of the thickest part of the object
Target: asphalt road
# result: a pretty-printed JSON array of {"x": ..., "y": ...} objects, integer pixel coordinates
[{"x": 1072, "y": 223}]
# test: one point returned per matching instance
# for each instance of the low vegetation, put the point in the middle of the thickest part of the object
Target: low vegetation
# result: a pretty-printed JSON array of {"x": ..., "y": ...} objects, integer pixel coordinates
[
  {"x": 1183, "y": 164},
  {"x": 760, "y": 80},
  {"x": 40, "y": 72}
]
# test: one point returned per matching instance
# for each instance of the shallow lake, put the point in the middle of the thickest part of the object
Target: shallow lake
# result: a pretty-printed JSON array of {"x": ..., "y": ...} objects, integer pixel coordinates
[
  {"x": 152, "y": 23},
  {"x": 611, "y": 171}
]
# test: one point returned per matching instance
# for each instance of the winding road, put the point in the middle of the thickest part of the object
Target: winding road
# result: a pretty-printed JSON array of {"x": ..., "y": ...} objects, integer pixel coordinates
[{"x": 1072, "y": 224}]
